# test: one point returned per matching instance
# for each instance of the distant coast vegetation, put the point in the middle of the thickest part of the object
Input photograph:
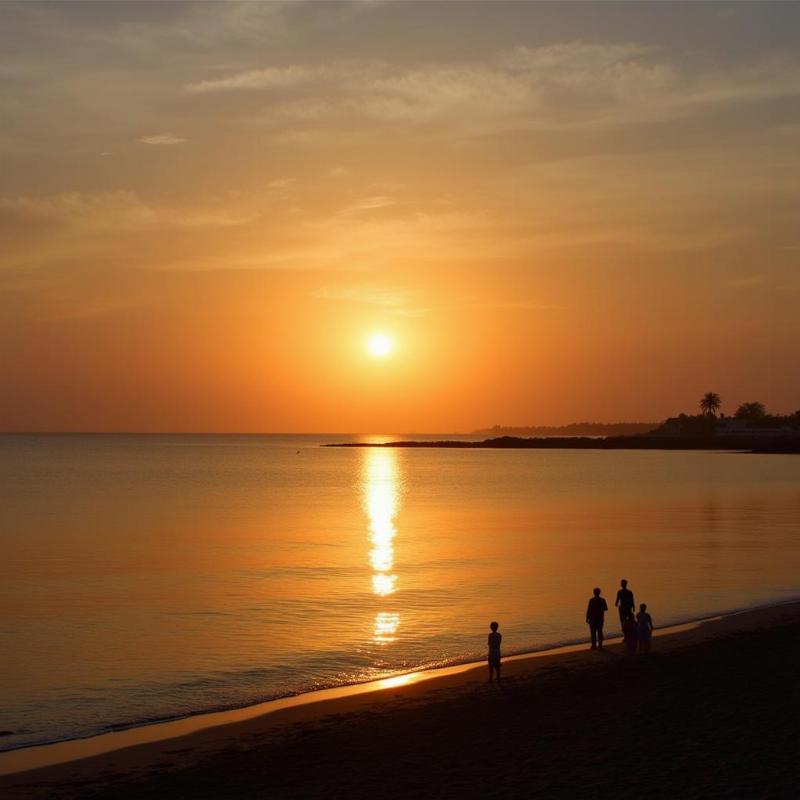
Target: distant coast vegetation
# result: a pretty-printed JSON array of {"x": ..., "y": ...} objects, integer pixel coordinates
[
  {"x": 751, "y": 428},
  {"x": 750, "y": 417},
  {"x": 573, "y": 429}
]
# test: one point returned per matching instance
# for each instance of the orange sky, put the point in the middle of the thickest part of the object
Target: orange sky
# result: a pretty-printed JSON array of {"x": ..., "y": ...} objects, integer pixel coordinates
[{"x": 557, "y": 212}]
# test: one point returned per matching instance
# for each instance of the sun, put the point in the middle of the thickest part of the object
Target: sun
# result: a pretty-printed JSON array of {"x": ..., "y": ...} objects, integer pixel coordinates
[{"x": 379, "y": 345}]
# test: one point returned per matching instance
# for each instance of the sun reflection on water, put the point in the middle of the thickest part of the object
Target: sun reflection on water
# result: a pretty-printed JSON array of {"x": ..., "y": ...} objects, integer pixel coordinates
[
  {"x": 383, "y": 584},
  {"x": 386, "y": 625},
  {"x": 381, "y": 488}
]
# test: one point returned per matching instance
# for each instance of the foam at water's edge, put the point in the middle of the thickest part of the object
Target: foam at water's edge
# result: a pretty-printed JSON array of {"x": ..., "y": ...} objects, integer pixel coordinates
[{"x": 41, "y": 755}]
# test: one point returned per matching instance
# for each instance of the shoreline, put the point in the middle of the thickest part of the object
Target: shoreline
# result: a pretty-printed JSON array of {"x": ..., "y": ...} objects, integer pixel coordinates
[
  {"x": 150, "y": 739},
  {"x": 208, "y": 718},
  {"x": 301, "y": 697},
  {"x": 693, "y": 719}
]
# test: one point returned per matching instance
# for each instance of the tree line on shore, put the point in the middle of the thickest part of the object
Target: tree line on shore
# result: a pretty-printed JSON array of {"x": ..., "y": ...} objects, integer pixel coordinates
[
  {"x": 753, "y": 411},
  {"x": 711, "y": 420},
  {"x": 571, "y": 429}
]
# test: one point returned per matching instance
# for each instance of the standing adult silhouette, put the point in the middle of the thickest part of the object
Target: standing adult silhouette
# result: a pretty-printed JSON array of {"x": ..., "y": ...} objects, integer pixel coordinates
[
  {"x": 595, "y": 617},
  {"x": 624, "y": 602}
]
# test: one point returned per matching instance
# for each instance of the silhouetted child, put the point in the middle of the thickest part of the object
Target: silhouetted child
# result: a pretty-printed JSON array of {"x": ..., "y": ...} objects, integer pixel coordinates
[
  {"x": 630, "y": 633},
  {"x": 494, "y": 651},
  {"x": 644, "y": 628},
  {"x": 595, "y": 616}
]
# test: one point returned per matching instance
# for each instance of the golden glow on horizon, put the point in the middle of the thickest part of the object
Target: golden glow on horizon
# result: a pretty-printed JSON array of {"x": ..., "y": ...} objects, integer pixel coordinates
[{"x": 379, "y": 345}]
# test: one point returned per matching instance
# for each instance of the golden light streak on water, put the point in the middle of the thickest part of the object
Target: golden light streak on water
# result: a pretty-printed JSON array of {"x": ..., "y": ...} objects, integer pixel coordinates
[
  {"x": 381, "y": 489},
  {"x": 383, "y": 584},
  {"x": 386, "y": 625}
]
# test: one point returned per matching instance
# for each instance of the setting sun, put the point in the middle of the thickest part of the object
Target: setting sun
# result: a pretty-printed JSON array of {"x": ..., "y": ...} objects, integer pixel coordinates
[{"x": 379, "y": 345}]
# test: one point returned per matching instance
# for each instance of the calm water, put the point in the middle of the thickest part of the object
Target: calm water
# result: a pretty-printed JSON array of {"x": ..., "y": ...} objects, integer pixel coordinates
[{"x": 145, "y": 577}]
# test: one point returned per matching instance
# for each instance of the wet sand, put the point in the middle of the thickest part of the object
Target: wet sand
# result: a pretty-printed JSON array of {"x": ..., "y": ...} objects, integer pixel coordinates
[{"x": 713, "y": 711}]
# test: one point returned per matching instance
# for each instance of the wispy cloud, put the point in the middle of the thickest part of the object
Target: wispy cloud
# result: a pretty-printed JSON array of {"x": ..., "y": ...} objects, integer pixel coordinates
[
  {"x": 371, "y": 203},
  {"x": 567, "y": 85},
  {"x": 113, "y": 211},
  {"x": 510, "y": 305},
  {"x": 389, "y": 297},
  {"x": 110, "y": 227},
  {"x": 268, "y": 78},
  {"x": 394, "y": 300},
  {"x": 579, "y": 56},
  {"x": 162, "y": 139}
]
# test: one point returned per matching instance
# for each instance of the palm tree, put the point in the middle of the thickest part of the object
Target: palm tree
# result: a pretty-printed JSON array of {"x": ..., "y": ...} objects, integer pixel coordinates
[
  {"x": 710, "y": 403},
  {"x": 752, "y": 411}
]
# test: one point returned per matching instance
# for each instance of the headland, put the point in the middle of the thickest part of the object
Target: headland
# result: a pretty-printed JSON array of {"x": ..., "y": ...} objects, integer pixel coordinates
[{"x": 746, "y": 444}]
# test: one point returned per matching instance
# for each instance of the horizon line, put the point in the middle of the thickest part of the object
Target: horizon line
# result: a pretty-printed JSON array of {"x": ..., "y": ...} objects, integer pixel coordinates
[{"x": 308, "y": 433}]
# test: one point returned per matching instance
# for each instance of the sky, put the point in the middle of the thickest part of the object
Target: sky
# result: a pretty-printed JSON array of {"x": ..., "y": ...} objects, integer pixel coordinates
[{"x": 554, "y": 212}]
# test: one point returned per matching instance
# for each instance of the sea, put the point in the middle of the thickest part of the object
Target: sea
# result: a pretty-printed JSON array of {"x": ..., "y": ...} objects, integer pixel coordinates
[{"x": 150, "y": 577}]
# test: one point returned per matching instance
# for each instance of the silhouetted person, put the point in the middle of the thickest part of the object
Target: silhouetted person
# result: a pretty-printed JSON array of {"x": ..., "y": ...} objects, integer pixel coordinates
[
  {"x": 495, "y": 639},
  {"x": 630, "y": 633},
  {"x": 595, "y": 616},
  {"x": 644, "y": 628},
  {"x": 624, "y": 602}
]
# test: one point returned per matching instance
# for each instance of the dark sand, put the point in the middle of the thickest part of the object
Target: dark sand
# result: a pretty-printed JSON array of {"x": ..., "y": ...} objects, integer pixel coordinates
[{"x": 712, "y": 712}]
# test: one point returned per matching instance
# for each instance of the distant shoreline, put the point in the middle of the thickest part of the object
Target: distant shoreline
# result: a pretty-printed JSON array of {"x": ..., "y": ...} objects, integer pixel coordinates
[
  {"x": 570, "y": 429},
  {"x": 746, "y": 444}
]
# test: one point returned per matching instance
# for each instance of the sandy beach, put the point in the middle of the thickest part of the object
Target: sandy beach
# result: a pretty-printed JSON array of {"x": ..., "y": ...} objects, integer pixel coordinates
[{"x": 712, "y": 712}]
